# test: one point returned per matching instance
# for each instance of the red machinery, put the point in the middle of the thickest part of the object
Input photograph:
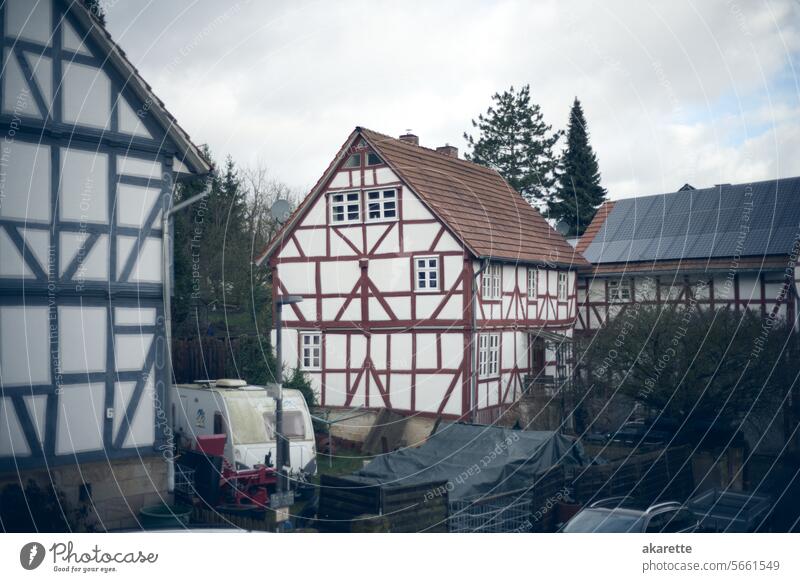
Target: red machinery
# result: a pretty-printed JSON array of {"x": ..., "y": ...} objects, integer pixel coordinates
[{"x": 242, "y": 488}]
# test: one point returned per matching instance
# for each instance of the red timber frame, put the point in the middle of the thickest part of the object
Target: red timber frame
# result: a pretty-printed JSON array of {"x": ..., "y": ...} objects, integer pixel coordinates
[
  {"x": 521, "y": 315},
  {"x": 366, "y": 374},
  {"x": 768, "y": 304}
]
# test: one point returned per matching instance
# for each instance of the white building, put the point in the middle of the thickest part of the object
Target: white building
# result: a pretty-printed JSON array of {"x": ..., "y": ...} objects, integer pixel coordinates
[
  {"x": 89, "y": 160},
  {"x": 429, "y": 285}
]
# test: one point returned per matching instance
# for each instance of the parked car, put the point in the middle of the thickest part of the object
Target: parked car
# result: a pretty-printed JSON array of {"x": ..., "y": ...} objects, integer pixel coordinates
[
  {"x": 644, "y": 432},
  {"x": 621, "y": 515}
]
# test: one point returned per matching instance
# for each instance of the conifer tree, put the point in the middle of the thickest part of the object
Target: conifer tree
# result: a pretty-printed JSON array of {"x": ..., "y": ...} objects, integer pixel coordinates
[
  {"x": 579, "y": 193},
  {"x": 514, "y": 139}
]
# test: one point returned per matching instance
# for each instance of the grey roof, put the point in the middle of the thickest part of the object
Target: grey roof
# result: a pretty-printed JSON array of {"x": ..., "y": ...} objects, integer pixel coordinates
[{"x": 754, "y": 219}]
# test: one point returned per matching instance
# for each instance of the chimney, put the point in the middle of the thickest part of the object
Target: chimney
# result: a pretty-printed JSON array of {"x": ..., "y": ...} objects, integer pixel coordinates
[
  {"x": 409, "y": 137},
  {"x": 448, "y": 150}
]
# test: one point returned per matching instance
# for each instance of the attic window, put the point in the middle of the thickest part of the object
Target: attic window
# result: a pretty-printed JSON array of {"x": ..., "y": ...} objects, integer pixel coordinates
[
  {"x": 373, "y": 159},
  {"x": 345, "y": 207},
  {"x": 381, "y": 204},
  {"x": 354, "y": 161}
]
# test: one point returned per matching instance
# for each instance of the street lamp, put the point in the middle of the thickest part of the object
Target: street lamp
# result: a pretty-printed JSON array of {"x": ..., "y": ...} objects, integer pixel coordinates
[{"x": 282, "y": 449}]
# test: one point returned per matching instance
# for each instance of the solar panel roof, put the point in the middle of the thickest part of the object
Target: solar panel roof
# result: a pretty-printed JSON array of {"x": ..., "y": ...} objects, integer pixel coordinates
[{"x": 754, "y": 219}]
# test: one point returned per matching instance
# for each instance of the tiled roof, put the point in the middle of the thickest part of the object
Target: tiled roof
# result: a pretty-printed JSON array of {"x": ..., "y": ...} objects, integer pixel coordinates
[
  {"x": 729, "y": 220},
  {"x": 594, "y": 227},
  {"x": 475, "y": 202},
  {"x": 489, "y": 216}
]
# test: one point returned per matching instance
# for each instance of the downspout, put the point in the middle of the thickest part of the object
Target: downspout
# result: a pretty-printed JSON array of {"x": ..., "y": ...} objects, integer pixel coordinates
[
  {"x": 473, "y": 388},
  {"x": 166, "y": 277}
]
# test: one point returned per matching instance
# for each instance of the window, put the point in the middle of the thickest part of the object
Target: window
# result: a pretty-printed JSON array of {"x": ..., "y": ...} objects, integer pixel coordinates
[
  {"x": 373, "y": 159},
  {"x": 681, "y": 520},
  {"x": 311, "y": 350},
  {"x": 488, "y": 355},
  {"x": 427, "y": 273},
  {"x": 353, "y": 161},
  {"x": 619, "y": 290},
  {"x": 562, "y": 286},
  {"x": 219, "y": 423},
  {"x": 381, "y": 204},
  {"x": 491, "y": 280},
  {"x": 533, "y": 278},
  {"x": 345, "y": 207},
  {"x": 294, "y": 425}
]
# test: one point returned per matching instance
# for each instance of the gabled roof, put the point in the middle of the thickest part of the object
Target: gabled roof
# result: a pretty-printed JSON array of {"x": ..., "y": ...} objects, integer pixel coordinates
[
  {"x": 729, "y": 220},
  {"x": 475, "y": 202},
  {"x": 594, "y": 227},
  {"x": 190, "y": 154}
]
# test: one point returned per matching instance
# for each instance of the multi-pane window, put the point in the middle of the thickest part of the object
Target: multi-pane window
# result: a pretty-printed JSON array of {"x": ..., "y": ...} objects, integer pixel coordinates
[
  {"x": 311, "y": 350},
  {"x": 373, "y": 159},
  {"x": 562, "y": 286},
  {"x": 426, "y": 273},
  {"x": 492, "y": 279},
  {"x": 533, "y": 278},
  {"x": 488, "y": 355},
  {"x": 345, "y": 207},
  {"x": 619, "y": 290},
  {"x": 381, "y": 204}
]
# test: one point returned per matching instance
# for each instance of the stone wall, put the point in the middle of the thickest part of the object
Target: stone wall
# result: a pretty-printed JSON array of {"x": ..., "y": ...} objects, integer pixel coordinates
[{"x": 103, "y": 496}]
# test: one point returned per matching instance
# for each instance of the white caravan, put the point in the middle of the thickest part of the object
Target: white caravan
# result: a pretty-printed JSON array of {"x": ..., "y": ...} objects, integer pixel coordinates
[{"x": 246, "y": 415}]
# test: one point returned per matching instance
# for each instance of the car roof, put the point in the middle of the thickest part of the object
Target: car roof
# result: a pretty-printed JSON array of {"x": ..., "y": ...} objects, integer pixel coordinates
[{"x": 633, "y": 505}]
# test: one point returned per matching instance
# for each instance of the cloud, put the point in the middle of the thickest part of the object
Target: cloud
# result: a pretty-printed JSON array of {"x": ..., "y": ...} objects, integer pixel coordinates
[{"x": 674, "y": 92}]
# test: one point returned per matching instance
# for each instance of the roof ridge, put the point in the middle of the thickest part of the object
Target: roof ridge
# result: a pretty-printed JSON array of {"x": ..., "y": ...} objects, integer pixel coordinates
[
  {"x": 446, "y": 157},
  {"x": 707, "y": 188}
]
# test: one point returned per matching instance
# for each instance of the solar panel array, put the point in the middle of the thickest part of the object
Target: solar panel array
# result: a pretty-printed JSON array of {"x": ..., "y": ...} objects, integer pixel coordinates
[{"x": 762, "y": 218}]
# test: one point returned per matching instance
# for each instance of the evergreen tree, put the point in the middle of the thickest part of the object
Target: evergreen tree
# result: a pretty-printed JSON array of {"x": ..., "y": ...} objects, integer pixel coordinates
[
  {"x": 514, "y": 140},
  {"x": 579, "y": 193}
]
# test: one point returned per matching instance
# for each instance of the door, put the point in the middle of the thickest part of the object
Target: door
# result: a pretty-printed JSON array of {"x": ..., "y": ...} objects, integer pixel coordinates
[{"x": 536, "y": 355}]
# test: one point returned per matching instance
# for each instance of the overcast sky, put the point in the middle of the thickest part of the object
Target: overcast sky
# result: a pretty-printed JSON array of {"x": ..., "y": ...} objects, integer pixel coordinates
[{"x": 674, "y": 92}]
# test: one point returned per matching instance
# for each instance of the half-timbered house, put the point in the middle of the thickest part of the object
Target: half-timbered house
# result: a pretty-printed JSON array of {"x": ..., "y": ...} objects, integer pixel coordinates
[
  {"x": 89, "y": 160},
  {"x": 732, "y": 246},
  {"x": 429, "y": 285}
]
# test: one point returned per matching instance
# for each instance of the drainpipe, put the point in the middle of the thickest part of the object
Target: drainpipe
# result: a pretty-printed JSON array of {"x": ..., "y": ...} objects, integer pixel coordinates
[
  {"x": 473, "y": 389},
  {"x": 166, "y": 277}
]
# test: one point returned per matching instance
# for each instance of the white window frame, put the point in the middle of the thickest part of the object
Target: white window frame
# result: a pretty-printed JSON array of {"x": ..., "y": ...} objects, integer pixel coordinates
[
  {"x": 489, "y": 355},
  {"x": 533, "y": 281},
  {"x": 381, "y": 201},
  {"x": 563, "y": 284},
  {"x": 343, "y": 204},
  {"x": 310, "y": 350},
  {"x": 428, "y": 271},
  {"x": 620, "y": 290},
  {"x": 492, "y": 281}
]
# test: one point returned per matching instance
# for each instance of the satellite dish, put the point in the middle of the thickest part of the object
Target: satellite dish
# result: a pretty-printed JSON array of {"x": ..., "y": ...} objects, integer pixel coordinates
[
  {"x": 562, "y": 227},
  {"x": 280, "y": 210}
]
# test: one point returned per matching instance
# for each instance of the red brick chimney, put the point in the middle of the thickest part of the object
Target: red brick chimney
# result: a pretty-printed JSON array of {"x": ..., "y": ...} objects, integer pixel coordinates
[{"x": 448, "y": 150}]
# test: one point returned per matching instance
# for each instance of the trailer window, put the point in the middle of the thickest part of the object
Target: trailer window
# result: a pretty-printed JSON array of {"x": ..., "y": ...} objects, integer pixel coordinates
[
  {"x": 219, "y": 423},
  {"x": 294, "y": 426}
]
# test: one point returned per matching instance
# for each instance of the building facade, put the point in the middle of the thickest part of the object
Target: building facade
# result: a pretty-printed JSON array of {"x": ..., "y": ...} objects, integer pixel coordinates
[
  {"x": 429, "y": 286},
  {"x": 89, "y": 160},
  {"x": 732, "y": 246}
]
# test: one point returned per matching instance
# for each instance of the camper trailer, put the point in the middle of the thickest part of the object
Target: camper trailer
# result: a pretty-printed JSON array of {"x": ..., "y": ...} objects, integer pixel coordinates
[{"x": 245, "y": 414}]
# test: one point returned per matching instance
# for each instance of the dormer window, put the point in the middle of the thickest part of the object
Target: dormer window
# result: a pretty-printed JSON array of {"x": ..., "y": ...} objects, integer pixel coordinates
[
  {"x": 381, "y": 204},
  {"x": 345, "y": 207}
]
